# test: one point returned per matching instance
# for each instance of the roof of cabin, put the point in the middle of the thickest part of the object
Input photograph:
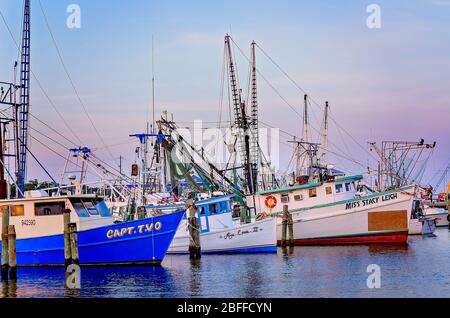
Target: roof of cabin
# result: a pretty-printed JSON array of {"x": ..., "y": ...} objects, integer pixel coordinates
[
  {"x": 309, "y": 185},
  {"x": 54, "y": 198}
]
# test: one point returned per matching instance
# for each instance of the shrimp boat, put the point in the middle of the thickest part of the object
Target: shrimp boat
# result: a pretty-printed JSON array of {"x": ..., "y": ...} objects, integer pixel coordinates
[
  {"x": 218, "y": 233},
  {"x": 102, "y": 241},
  {"x": 340, "y": 209},
  {"x": 38, "y": 218},
  {"x": 334, "y": 212}
]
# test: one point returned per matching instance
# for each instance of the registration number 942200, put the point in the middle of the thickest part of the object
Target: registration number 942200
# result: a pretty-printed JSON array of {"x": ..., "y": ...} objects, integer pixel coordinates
[{"x": 28, "y": 222}]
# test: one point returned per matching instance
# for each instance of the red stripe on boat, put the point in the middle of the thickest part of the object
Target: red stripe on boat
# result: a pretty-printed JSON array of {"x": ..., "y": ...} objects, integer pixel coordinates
[{"x": 397, "y": 237}]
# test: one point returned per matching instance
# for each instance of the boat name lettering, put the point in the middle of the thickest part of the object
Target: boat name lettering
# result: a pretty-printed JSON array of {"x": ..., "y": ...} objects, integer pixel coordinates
[
  {"x": 133, "y": 230},
  {"x": 230, "y": 236},
  {"x": 370, "y": 201}
]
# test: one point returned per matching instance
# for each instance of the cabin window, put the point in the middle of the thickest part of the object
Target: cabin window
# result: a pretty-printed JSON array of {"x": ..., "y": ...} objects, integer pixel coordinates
[
  {"x": 88, "y": 207},
  {"x": 328, "y": 190},
  {"x": 224, "y": 207},
  {"x": 285, "y": 198},
  {"x": 212, "y": 209},
  {"x": 298, "y": 197},
  {"x": 16, "y": 210},
  {"x": 347, "y": 187},
  {"x": 339, "y": 188},
  {"x": 49, "y": 208},
  {"x": 202, "y": 210},
  {"x": 313, "y": 193}
]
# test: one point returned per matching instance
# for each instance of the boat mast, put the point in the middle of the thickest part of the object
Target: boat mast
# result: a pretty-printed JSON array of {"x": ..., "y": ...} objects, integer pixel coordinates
[
  {"x": 305, "y": 136},
  {"x": 325, "y": 135},
  {"x": 240, "y": 120},
  {"x": 254, "y": 149},
  {"x": 24, "y": 98}
]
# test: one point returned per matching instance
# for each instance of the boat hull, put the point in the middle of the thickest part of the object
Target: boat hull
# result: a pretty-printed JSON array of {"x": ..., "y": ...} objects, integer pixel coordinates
[
  {"x": 256, "y": 237},
  {"x": 130, "y": 243},
  {"x": 382, "y": 218},
  {"x": 441, "y": 216}
]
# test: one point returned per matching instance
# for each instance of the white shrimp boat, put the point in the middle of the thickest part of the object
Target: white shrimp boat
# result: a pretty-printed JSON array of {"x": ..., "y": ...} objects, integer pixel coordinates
[
  {"x": 219, "y": 234},
  {"x": 334, "y": 212}
]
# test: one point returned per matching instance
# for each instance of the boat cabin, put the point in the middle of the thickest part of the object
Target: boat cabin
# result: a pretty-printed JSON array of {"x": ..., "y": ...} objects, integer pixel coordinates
[
  {"x": 307, "y": 195},
  {"x": 43, "y": 216}
]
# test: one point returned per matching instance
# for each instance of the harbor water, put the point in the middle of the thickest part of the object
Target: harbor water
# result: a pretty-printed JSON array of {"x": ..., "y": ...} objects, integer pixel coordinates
[{"x": 419, "y": 269}]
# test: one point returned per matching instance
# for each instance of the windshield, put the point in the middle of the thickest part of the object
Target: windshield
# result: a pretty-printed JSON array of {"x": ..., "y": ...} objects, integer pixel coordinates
[{"x": 90, "y": 207}]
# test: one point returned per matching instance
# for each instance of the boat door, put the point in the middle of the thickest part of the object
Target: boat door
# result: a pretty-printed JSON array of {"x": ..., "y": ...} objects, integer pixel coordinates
[{"x": 203, "y": 218}]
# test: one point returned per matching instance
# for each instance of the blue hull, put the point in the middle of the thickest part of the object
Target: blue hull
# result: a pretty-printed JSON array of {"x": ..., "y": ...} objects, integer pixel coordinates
[{"x": 137, "y": 242}]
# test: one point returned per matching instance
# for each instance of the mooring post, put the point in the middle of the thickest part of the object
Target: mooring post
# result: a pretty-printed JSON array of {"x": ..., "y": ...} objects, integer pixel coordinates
[
  {"x": 284, "y": 225},
  {"x": 194, "y": 234},
  {"x": 67, "y": 252},
  {"x": 12, "y": 252},
  {"x": 5, "y": 250},
  {"x": 290, "y": 230},
  {"x": 74, "y": 243}
]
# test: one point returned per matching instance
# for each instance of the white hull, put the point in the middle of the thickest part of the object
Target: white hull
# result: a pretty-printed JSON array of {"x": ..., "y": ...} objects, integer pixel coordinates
[
  {"x": 255, "y": 237},
  {"x": 382, "y": 218},
  {"x": 439, "y": 214},
  {"x": 425, "y": 226}
]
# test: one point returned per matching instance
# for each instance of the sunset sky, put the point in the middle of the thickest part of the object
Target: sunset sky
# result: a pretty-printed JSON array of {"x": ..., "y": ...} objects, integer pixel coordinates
[{"x": 391, "y": 83}]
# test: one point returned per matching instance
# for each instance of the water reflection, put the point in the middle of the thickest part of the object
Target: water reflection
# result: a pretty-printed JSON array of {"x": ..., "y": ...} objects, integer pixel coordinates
[
  {"x": 196, "y": 277},
  {"x": 9, "y": 289},
  {"x": 327, "y": 271}
]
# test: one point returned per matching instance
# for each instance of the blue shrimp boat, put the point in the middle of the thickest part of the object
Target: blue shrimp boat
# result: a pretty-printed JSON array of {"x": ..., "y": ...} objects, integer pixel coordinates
[{"x": 101, "y": 240}]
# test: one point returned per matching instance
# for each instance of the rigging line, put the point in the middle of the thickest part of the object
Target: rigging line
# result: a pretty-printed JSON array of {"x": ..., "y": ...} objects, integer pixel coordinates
[
  {"x": 72, "y": 82},
  {"x": 38, "y": 162},
  {"x": 342, "y": 155},
  {"x": 267, "y": 82},
  {"x": 57, "y": 153},
  {"x": 117, "y": 172},
  {"x": 49, "y": 138},
  {"x": 317, "y": 104},
  {"x": 42, "y": 134},
  {"x": 11, "y": 177},
  {"x": 276, "y": 91},
  {"x": 53, "y": 129},
  {"x": 39, "y": 83}
]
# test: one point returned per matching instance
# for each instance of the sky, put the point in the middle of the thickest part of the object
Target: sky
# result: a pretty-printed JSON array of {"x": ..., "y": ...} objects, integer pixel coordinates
[{"x": 390, "y": 83}]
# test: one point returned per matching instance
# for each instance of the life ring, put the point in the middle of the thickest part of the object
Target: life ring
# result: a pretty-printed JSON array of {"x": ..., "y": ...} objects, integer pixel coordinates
[{"x": 271, "y": 202}]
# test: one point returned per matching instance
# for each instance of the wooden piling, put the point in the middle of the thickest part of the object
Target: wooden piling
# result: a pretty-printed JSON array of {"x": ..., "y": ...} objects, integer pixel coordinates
[
  {"x": 194, "y": 234},
  {"x": 74, "y": 243},
  {"x": 284, "y": 225},
  {"x": 5, "y": 257},
  {"x": 67, "y": 251},
  {"x": 290, "y": 230},
  {"x": 12, "y": 253}
]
